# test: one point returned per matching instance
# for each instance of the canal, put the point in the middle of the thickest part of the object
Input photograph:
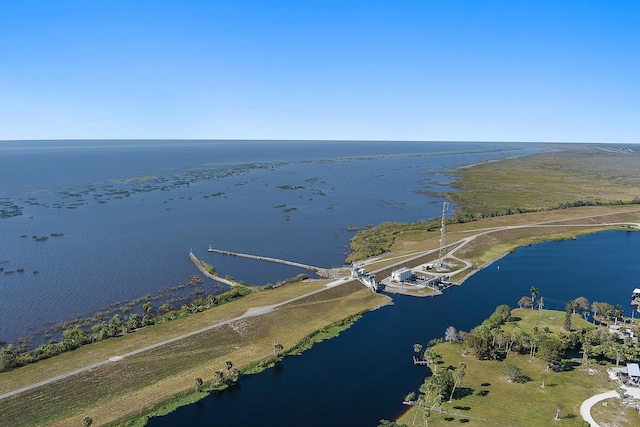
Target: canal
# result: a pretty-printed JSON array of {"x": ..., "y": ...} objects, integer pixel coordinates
[{"x": 361, "y": 376}]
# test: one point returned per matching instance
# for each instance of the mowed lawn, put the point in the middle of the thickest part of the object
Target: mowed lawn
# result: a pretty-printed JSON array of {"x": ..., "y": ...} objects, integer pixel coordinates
[
  {"x": 486, "y": 397},
  {"x": 139, "y": 383}
]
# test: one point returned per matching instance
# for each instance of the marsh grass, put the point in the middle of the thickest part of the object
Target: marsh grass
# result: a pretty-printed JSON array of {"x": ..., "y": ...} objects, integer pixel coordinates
[{"x": 576, "y": 173}]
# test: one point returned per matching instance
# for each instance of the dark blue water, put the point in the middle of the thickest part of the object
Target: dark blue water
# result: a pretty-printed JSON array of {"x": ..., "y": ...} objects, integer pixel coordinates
[
  {"x": 361, "y": 376},
  {"x": 129, "y": 212}
]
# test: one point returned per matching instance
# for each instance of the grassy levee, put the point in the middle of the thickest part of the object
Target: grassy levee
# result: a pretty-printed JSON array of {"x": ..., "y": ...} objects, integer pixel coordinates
[
  {"x": 602, "y": 179},
  {"x": 486, "y": 397},
  {"x": 492, "y": 242},
  {"x": 140, "y": 383}
]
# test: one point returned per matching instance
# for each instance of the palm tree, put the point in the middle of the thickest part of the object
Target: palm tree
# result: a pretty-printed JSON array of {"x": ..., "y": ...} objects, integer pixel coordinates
[
  {"x": 459, "y": 375},
  {"x": 534, "y": 294},
  {"x": 616, "y": 312},
  {"x": 198, "y": 384},
  {"x": 218, "y": 376},
  {"x": 558, "y": 409},
  {"x": 432, "y": 358},
  {"x": 229, "y": 364},
  {"x": 540, "y": 305},
  {"x": 87, "y": 421},
  {"x": 147, "y": 307}
]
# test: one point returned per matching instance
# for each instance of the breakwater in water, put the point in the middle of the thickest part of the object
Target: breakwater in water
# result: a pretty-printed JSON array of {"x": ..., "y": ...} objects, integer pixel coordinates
[
  {"x": 203, "y": 269},
  {"x": 322, "y": 272}
]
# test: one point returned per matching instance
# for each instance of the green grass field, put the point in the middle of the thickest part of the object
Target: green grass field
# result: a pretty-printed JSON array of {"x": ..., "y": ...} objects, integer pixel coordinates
[{"x": 488, "y": 399}]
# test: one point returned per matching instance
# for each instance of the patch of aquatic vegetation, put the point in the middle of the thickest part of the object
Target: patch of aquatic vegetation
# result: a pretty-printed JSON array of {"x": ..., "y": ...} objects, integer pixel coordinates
[
  {"x": 291, "y": 187},
  {"x": 112, "y": 191},
  {"x": 391, "y": 203},
  {"x": 9, "y": 208}
]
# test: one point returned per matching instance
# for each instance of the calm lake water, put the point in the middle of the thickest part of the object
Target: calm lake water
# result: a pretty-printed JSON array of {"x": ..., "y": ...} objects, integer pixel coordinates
[
  {"x": 126, "y": 213},
  {"x": 361, "y": 376}
]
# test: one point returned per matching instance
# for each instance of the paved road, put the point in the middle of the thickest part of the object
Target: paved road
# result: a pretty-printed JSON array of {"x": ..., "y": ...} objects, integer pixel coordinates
[{"x": 585, "y": 408}]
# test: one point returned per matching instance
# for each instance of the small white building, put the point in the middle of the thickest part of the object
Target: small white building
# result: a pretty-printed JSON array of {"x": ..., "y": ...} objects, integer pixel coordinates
[
  {"x": 402, "y": 274},
  {"x": 633, "y": 369}
]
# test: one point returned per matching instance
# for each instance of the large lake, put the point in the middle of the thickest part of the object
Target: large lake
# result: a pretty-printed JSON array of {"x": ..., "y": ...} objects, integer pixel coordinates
[
  {"x": 361, "y": 376},
  {"x": 124, "y": 214}
]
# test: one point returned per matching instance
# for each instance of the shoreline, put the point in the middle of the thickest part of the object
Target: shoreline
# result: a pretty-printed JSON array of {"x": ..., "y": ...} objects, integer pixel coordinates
[
  {"x": 224, "y": 342},
  {"x": 299, "y": 348}
]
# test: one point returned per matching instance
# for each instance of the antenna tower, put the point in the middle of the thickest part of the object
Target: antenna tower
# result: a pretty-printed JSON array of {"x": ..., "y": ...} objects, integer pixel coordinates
[{"x": 443, "y": 235}]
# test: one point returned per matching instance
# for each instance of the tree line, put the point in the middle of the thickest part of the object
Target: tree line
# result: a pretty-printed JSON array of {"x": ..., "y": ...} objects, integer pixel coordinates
[
  {"x": 493, "y": 339},
  {"x": 72, "y": 338}
]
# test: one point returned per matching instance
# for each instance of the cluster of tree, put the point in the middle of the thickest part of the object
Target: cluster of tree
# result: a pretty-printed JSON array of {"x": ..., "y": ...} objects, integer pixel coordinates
[
  {"x": 495, "y": 338},
  {"x": 578, "y": 203},
  {"x": 530, "y": 302},
  {"x": 72, "y": 338},
  {"x": 492, "y": 340},
  {"x": 465, "y": 216},
  {"x": 443, "y": 383},
  {"x": 579, "y": 303},
  {"x": 230, "y": 376},
  {"x": 607, "y": 312},
  {"x": 438, "y": 387},
  {"x": 600, "y": 344},
  {"x": 221, "y": 378}
]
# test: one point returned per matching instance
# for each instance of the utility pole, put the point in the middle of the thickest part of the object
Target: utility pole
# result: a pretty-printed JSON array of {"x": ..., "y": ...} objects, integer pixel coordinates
[{"x": 443, "y": 235}]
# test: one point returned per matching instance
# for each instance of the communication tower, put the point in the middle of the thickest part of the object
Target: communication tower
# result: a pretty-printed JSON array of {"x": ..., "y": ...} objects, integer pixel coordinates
[{"x": 443, "y": 235}]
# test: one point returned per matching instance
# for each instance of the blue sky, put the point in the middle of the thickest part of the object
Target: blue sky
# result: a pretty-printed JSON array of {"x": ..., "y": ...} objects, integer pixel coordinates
[{"x": 390, "y": 70}]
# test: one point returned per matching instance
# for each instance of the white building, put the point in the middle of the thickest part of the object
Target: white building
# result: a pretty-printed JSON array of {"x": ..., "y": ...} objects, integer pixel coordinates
[
  {"x": 634, "y": 372},
  {"x": 402, "y": 275}
]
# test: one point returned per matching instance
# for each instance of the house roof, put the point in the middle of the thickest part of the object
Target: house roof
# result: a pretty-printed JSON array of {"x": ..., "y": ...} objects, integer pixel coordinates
[{"x": 634, "y": 369}]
